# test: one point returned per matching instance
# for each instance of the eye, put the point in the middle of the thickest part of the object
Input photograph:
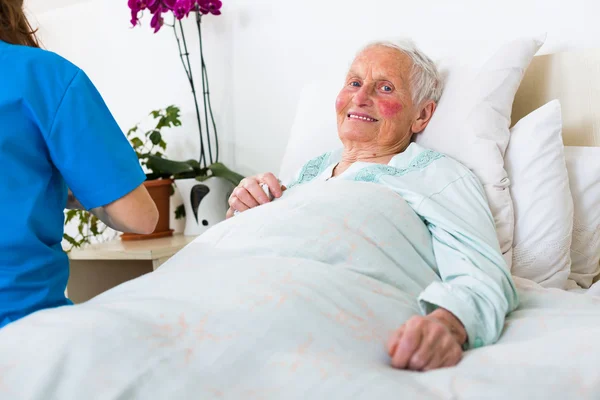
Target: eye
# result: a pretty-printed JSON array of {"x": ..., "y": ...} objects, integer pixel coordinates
[
  {"x": 387, "y": 88},
  {"x": 355, "y": 83}
]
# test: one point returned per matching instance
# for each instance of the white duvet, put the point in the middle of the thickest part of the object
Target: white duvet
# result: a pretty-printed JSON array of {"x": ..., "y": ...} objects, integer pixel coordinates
[{"x": 275, "y": 304}]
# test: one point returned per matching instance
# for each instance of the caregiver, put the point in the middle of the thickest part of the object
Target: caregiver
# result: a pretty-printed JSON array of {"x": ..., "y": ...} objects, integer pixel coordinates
[{"x": 55, "y": 133}]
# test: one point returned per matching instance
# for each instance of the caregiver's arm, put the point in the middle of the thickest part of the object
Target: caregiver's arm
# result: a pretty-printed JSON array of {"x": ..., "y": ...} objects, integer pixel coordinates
[
  {"x": 135, "y": 212},
  {"x": 96, "y": 160},
  {"x": 476, "y": 286}
]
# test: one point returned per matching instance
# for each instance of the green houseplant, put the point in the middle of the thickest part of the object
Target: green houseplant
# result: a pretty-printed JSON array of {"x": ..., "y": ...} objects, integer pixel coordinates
[{"x": 149, "y": 146}]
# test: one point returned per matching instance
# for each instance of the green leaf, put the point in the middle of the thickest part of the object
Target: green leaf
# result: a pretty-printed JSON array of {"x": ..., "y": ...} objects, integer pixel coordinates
[
  {"x": 155, "y": 114},
  {"x": 221, "y": 171},
  {"x": 160, "y": 165},
  {"x": 173, "y": 115},
  {"x": 155, "y": 137},
  {"x": 136, "y": 142},
  {"x": 162, "y": 144},
  {"x": 70, "y": 215},
  {"x": 172, "y": 110},
  {"x": 71, "y": 240},
  {"x": 132, "y": 131},
  {"x": 84, "y": 217},
  {"x": 94, "y": 225},
  {"x": 164, "y": 122},
  {"x": 180, "y": 212},
  {"x": 196, "y": 166}
]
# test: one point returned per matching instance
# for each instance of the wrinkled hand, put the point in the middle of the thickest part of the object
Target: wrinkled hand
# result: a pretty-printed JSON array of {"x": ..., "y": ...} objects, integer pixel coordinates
[
  {"x": 248, "y": 194},
  {"x": 426, "y": 343}
]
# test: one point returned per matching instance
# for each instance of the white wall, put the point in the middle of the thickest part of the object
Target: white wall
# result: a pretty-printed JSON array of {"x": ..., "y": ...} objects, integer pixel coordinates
[{"x": 261, "y": 52}]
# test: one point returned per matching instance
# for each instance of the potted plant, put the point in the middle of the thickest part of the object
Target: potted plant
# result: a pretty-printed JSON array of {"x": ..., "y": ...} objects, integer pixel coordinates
[
  {"x": 148, "y": 145},
  {"x": 204, "y": 183},
  {"x": 159, "y": 184}
]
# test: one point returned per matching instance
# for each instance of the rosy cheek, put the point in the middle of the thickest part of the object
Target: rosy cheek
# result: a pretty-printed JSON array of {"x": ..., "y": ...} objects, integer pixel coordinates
[
  {"x": 341, "y": 102},
  {"x": 389, "y": 108}
]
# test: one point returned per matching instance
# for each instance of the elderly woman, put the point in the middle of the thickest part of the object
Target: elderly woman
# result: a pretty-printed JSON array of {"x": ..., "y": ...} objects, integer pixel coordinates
[{"x": 390, "y": 94}]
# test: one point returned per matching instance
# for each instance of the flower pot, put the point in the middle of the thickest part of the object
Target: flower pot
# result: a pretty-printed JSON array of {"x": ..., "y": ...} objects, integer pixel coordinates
[
  {"x": 160, "y": 190},
  {"x": 205, "y": 203}
]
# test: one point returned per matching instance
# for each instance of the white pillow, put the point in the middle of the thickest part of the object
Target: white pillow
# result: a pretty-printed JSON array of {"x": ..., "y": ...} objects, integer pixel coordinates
[
  {"x": 535, "y": 162},
  {"x": 583, "y": 165},
  {"x": 471, "y": 124},
  {"x": 314, "y": 130}
]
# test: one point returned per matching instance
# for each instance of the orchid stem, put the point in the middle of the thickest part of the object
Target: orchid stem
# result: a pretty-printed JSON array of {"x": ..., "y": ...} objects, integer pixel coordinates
[
  {"x": 188, "y": 69},
  {"x": 205, "y": 97},
  {"x": 206, "y": 92}
]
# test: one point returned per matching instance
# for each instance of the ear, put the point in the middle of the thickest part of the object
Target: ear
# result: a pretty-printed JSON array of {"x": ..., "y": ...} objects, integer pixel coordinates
[{"x": 424, "y": 117}]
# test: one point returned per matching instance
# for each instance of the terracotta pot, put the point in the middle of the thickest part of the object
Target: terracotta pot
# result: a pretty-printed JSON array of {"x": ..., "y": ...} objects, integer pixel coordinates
[{"x": 160, "y": 190}]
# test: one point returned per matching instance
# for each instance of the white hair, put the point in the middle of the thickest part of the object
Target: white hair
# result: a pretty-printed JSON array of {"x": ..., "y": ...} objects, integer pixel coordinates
[{"x": 426, "y": 81}]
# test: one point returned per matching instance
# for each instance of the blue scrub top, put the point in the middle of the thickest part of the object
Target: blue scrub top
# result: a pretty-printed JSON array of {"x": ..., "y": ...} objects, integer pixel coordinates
[{"x": 55, "y": 132}]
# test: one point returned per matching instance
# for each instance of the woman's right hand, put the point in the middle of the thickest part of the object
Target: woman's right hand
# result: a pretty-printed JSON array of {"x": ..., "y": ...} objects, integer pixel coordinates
[{"x": 248, "y": 194}]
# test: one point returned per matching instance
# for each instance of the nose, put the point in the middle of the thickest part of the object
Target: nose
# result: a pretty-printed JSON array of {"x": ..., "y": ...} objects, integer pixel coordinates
[{"x": 362, "y": 98}]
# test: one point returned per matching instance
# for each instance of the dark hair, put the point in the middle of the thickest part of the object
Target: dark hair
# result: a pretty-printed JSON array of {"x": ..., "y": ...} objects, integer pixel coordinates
[{"x": 14, "y": 26}]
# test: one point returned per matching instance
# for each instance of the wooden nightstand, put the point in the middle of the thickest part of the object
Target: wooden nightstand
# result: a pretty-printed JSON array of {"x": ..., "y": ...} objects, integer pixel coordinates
[{"x": 102, "y": 266}]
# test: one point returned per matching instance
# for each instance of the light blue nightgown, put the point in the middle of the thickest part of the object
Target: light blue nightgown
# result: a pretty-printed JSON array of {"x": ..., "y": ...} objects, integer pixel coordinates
[{"x": 476, "y": 285}]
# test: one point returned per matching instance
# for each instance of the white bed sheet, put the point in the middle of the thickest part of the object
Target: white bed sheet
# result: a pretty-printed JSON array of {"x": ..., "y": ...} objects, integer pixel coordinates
[
  {"x": 249, "y": 322},
  {"x": 146, "y": 339}
]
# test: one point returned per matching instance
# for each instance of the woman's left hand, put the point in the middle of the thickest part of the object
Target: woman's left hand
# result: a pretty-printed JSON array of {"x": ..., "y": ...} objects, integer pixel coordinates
[{"x": 426, "y": 343}]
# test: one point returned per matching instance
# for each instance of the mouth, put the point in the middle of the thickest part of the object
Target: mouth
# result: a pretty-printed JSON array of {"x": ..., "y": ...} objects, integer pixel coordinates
[{"x": 361, "y": 117}]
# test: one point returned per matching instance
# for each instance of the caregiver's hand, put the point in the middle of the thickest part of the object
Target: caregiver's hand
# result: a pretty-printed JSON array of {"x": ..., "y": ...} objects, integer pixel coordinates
[
  {"x": 426, "y": 343},
  {"x": 248, "y": 194}
]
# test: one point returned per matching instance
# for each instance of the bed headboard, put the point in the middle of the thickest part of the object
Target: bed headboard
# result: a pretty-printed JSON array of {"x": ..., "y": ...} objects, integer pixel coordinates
[{"x": 574, "y": 79}]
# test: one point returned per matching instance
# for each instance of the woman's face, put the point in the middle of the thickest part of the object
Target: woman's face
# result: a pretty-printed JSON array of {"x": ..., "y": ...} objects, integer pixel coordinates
[{"x": 375, "y": 106}]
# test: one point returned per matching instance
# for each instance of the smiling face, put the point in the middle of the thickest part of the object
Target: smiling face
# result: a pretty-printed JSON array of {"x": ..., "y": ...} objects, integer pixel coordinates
[{"x": 375, "y": 109}]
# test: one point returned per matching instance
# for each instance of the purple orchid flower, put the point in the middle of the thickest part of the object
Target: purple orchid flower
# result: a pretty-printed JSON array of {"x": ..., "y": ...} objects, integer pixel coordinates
[
  {"x": 179, "y": 8},
  {"x": 210, "y": 6},
  {"x": 157, "y": 21},
  {"x": 182, "y": 8},
  {"x": 134, "y": 17},
  {"x": 154, "y": 6}
]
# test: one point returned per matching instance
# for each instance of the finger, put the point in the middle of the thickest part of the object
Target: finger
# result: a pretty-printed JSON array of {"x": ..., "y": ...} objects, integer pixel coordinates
[
  {"x": 273, "y": 184},
  {"x": 258, "y": 195},
  {"x": 423, "y": 356},
  {"x": 437, "y": 357},
  {"x": 246, "y": 196},
  {"x": 450, "y": 355},
  {"x": 408, "y": 344},
  {"x": 429, "y": 347},
  {"x": 237, "y": 204},
  {"x": 229, "y": 213},
  {"x": 392, "y": 342}
]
